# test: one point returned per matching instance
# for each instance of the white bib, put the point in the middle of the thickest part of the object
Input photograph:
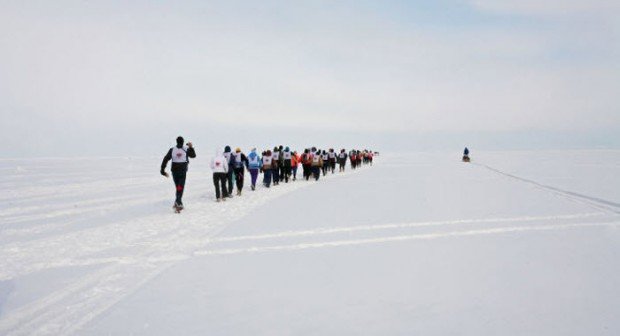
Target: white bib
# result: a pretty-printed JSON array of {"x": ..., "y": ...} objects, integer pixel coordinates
[{"x": 179, "y": 154}]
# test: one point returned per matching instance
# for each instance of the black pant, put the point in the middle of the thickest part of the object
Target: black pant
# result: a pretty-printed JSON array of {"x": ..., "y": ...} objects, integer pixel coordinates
[
  {"x": 286, "y": 170},
  {"x": 229, "y": 179},
  {"x": 275, "y": 172},
  {"x": 179, "y": 182},
  {"x": 239, "y": 174},
  {"x": 316, "y": 171},
  {"x": 219, "y": 179}
]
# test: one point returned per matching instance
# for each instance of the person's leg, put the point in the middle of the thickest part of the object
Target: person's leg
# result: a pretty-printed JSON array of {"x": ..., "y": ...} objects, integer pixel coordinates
[
  {"x": 287, "y": 171},
  {"x": 216, "y": 183},
  {"x": 229, "y": 179},
  {"x": 253, "y": 176},
  {"x": 267, "y": 177},
  {"x": 182, "y": 187},
  {"x": 179, "y": 184},
  {"x": 223, "y": 182},
  {"x": 240, "y": 174},
  {"x": 175, "y": 179}
]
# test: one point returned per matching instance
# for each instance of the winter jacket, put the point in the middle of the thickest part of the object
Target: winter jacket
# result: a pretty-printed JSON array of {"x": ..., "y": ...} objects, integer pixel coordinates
[
  {"x": 219, "y": 164},
  {"x": 228, "y": 156},
  {"x": 239, "y": 160},
  {"x": 294, "y": 160},
  {"x": 180, "y": 158},
  {"x": 254, "y": 161},
  {"x": 317, "y": 160},
  {"x": 268, "y": 162}
]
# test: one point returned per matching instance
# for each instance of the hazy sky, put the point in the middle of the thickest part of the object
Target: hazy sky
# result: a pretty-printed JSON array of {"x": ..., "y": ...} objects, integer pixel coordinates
[{"x": 114, "y": 72}]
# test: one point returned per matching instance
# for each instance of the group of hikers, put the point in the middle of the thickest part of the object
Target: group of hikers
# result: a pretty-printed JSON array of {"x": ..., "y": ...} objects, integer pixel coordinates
[{"x": 279, "y": 164}]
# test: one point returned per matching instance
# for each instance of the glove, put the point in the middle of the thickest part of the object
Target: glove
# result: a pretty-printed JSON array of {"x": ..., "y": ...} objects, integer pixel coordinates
[{"x": 164, "y": 173}]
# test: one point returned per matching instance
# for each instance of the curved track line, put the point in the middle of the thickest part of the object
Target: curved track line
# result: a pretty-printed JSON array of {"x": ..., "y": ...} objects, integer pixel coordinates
[
  {"x": 320, "y": 231},
  {"x": 426, "y": 236},
  {"x": 598, "y": 203}
]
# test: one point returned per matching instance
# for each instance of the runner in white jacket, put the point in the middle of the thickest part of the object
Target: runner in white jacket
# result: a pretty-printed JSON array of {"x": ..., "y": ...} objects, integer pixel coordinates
[{"x": 219, "y": 166}]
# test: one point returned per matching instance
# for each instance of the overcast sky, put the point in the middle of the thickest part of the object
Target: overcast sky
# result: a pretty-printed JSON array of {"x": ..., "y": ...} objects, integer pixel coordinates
[{"x": 107, "y": 73}]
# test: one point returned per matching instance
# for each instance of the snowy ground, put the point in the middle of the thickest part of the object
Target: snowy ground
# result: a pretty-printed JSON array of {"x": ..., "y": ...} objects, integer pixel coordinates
[{"x": 515, "y": 243}]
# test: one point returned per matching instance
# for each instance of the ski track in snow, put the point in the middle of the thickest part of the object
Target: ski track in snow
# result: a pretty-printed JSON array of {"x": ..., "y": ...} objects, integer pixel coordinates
[
  {"x": 140, "y": 249},
  {"x": 131, "y": 252},
  {"x": 428, "y": 236}
]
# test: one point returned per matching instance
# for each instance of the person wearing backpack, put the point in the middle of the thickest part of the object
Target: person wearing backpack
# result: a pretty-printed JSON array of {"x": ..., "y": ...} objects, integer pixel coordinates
[
  {"x": 231, "y": 170},
  {"x": 240, "y": 162},
  {"x": 267, "y": 168},
  {"x": 325, "y": 158},
  {"x": 306, "y": 164},
  {"x": 317, "y": 164},
  {"x": 275, "y": 166},
  {"x": 359, "y": 159},
  {"x": 295, "y": 159},
  {"x": 342, "y": 160},
  {"x": 254, "y": 165},
  {"x": 353, "y": 158},
  {"x": 331, "y": 157},
  {"x": 179, "y": 155},
  {"x": 287, "y": 157}
]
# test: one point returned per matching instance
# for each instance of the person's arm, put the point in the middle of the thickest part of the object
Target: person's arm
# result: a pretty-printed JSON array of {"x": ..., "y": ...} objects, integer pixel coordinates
[
  {"x": 190, "y": 151},
  {"x": 164, "y": 163},
  {"x": 244, "y": 160}
]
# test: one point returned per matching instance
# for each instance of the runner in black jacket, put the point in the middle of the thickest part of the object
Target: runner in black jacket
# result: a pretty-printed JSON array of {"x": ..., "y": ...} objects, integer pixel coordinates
[{"x": 180, "y": 159}]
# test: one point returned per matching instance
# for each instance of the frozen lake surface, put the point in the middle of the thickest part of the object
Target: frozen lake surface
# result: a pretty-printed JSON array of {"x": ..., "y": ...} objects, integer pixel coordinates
[{"x": 514, "y": 243}]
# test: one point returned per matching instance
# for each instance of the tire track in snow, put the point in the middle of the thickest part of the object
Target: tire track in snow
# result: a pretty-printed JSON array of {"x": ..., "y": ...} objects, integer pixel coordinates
[
  {"x": 424, "y": 236},
  {"x": 598, "y": 203},
  {"x": 202, "y": 243},
  {"x": 65, "y": 311},
  {"x": 351, "y": 229}
]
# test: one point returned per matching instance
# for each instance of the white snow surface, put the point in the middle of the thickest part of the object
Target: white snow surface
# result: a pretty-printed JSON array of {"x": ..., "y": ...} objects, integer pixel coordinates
[{"x": 513, "y": 243}]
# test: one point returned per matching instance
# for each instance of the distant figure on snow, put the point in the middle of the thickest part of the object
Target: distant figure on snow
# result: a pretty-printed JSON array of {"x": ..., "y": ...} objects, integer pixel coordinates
[
  {"x": 255, "y": 163},
  {"x": 180, "y": 159},
  {"x": 240, "y": 161},
  {"x": 466, "y": 155}
]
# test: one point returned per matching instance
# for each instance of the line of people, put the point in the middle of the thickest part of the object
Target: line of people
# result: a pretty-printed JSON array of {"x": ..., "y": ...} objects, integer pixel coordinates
[{"x": 277, "y": 165}]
